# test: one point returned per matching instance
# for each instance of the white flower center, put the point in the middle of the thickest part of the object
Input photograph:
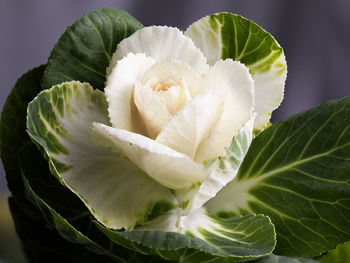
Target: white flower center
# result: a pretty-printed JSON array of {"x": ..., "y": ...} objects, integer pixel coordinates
[
  {"x": 164, "y": 85},
  {"x": 172, "y": 92},
  {"x": 162, "y": 91}
]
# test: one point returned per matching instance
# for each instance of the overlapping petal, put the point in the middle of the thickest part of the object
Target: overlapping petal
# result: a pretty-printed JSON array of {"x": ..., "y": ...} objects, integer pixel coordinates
[
  {"x": 165, "y": 165},
  {"x": 153, "y": 112},
  {"x": 232, "y": 80},
  {"x": 121, "y": 109},
  {"x": 192, "y": 124},
  {"x": 162, "y": 43}
]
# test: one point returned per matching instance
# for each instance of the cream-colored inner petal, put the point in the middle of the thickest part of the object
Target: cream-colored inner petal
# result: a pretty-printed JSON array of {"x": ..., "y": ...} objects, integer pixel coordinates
[
  {"x": 152, "y": 110},
  {"x": 190, "y": 126},
  {"x": 171, "y": 92}
]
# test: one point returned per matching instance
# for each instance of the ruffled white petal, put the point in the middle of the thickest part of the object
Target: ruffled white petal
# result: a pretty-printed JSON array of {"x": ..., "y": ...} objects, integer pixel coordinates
[
  {"x": 122, "y": 112},
  {"x": 152, "y": 110},
  {"x": 168, "y": 167},
  {"x": 192, "y": 124},
  {"x": 161, "y": 43},
  {"x": 232, "y": 80}
]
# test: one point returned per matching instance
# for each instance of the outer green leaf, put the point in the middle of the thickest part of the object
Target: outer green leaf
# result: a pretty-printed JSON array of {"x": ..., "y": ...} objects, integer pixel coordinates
[
  {"x": 84, "y": 50},
  {"x": 339, "y": 255},
  {"x": 42, "y": 244},
  {"x": 59, "y": 120},
  {"x": 225, "y": 35},
  {"x": 66, "y": 213},
  {"x": 235, "y": 239},
  {"x": 13, "y": 127},
  {"x": 280, "y": 259},
  {"x": 297, "y": 172}
]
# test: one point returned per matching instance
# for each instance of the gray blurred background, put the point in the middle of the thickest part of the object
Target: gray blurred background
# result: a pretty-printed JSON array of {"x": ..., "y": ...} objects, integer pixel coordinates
[{"x": 315, "y": 35}]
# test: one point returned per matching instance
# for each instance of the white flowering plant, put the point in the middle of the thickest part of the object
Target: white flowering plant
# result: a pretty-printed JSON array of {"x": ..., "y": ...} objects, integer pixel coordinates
[{"x": 152, "y": 144}]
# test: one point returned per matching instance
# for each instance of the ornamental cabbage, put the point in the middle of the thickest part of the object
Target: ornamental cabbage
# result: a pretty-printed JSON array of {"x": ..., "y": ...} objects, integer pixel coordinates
[
  {"x": 160, "y": 135},
  {"x": 170, "y": 116}
]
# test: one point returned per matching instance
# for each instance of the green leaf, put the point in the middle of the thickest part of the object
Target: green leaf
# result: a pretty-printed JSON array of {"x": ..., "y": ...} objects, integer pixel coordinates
[
  {"x": 297, "y": 172},
  {"x": 116, "y": 191},
  {"x": 281, "y": 259},
  {"x": 43, "y": 244},
  {"x": 225, "y": 35},
  {"x": 13, "y": 127},
  {"x": 208, "y": 238},
  {"x": 339, "y": 255},
  {"x": 66, "y": 213},
  {"x": 84, "y": 50}
]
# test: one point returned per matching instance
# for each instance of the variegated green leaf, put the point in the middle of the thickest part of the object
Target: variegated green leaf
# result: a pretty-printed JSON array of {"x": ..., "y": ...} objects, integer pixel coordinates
[
  {"x": 116, "y": 191},
  {"x": 62, "y": 222},
  {"x": 208, "y": 239},
  {"x": 226, "y": 35},
  {"x": 42, "y": 243},
  {"x": 298, "y": 173}
]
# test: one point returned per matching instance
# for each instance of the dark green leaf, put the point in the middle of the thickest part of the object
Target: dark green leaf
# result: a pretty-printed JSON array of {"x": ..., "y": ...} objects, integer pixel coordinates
[
  {"x": 298, "y": 173},
  {"x": 13, "y": 127},
  {"x": 43, "y": 244},
  {"x": 84, "y": 50}
]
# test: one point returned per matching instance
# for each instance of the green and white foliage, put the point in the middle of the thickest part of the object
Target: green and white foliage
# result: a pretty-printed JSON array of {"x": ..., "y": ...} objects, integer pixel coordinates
[
  {"x": 65, "y": 223},
  {"x": 208, "y": 238},
  {"x": 225, "y": 35},
  {"x": 137, "y": 175},
  {"x": 297, "y": 172},
  {"x": 59, "y": 121},
  {"x": 104, "y": 179}
]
